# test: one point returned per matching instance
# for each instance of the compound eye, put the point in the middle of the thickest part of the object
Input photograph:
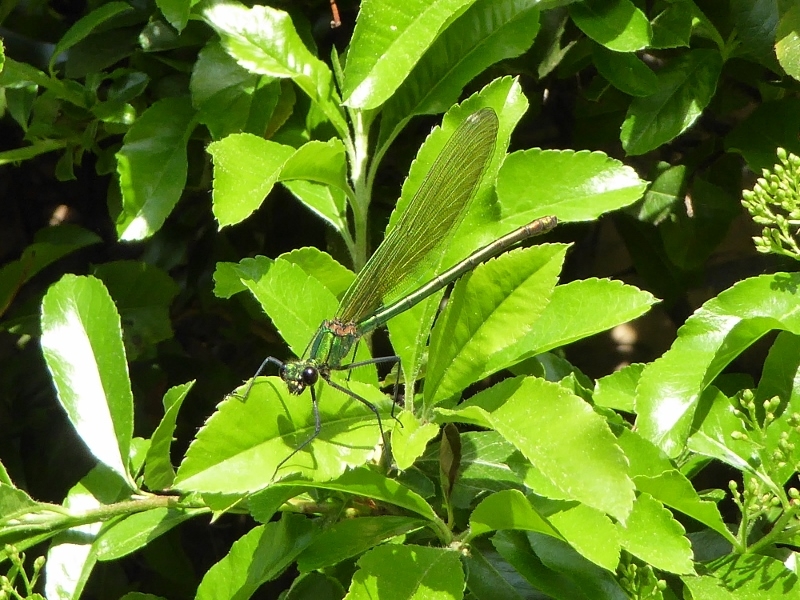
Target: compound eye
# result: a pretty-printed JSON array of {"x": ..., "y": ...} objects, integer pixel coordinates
[{"x": 310, "y": 375}]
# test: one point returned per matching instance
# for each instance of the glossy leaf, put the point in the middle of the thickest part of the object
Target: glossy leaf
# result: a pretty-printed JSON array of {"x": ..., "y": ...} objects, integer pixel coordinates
[
  {"x": 299, "y": 320},
  {"x": 653, "y": 535},
  {"x": 230, "y": 99},
  {"x": 594, "y": 582},
  {"x": 787, "y": 44},
  {"x": 366, "y": 482},
  {"x": 732, "y": 577},
  {"x": 685, "y": 87},
  {"x": 263, "y": 40},
  {"x": 240, "y": 446},
  {"x": 389, "y": 39},
  {"x": 674, "y": 490},
  {"x": 152, "y": 167},
  {"x": 410, "y": 572},
  {"x": 410, "y": 440},
  {"x": 261, "y": 555},
  {"x": 670, "y": 388},
  {"x": 756, "y": 22},
  {"x": 158, "y": 472},
  {"x": 176, "y": 12},
  {"x": 576, "y": 310},
  {"x": 560, "y": 435},
  {"x": 618, "y": 390},
  {"x": 508, "y": 509},
  {"x": 489, "y": 577},
  {"x": 715, "y": 436},
  {"x": 326, "y": 202},
  {"x": 483, "y": 316},
  {"x": 246, "y": 168},
  {"x": 616, "y": 24},
  {"x": 228, "y": 276},
  {"x": 352, "y": 537},
  {"x": 780, "y": 378},
  {"x": 589, "y": 184},
  {"x": 625, "y": 71},
  {"x": 82, "y": 345},
  {"x": 488, "y": 32},
  {"x": 323, "y": 268},
  {"x": 672, "y": 28},
  {"x": 137, "y": 530},
  {"x": 84, "y": 26}
]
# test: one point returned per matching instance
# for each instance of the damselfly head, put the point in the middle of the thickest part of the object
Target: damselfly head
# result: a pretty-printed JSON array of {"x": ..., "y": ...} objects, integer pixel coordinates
[{"x": 298, "y": 375}]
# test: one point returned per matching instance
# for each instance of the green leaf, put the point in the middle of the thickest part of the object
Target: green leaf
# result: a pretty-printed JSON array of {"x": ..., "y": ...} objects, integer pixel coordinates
[
  {"x": 326, "y": 202},
  {"x": 152, "y": 167},
  {"x": 486, "y": 459},
  {"x": 488, "y": 32},
  {"x": 263, "y": 40},
  {"x": 781, "y": 377},
  {"x": 672, "y": 28},
  {"x": 410, "y": 572},
  {"x": 483, "y": 316},
  {"x": 322, "y": 162},
  {"x": 685, "y": 87},
  {"x": 364, "y": 481},
  {"x": 158, "y": 472},
  {"x": 732, "y": 578},
  {"x": 767, "y": 127},
  {"x": 228, "y": 277},
  {"x": 714, "y": 435},
  {"x": 230, "y": 99},
  {"x": 323, "y": 268},
  {"x": 49, "y": 245},
  {"x": 586, "y": 529},
  {"x": 410, "y": 440},
  {"x": 589, "y": 184},
  {"x": 489, "y": 577},
  {"x": 676, "y": 491},
  {"x": 670, "y": 388},
  {"x": 176, "y": 12},
  {"x": 618, "y": 390},
  {"x": 624, "y": 71},
  {"x": 261, "y": 555},
  {"x": 508, "y": 509},
  {"x": 389, "y": 39},
  {"x": 84, "y": 26},
  {"x": 246, "y": 168},
  {"x": 616, "y": 24},
  {"x": 554, "y": 567},
  {"x": 576, "y": 310},
  {"x": 139, "y": 529},
  {"x": 143, "y": 294},
  {"x": 560, "y": 435},
  {"x": 298, "y": 321},
  {"x": 652, "y": 534},
  {"x": 244, "y": 441},
  {"x": 352, "y": 537},
  {"x": 82, "y": 345},
  {"x": 787, "y": 41},
  {"x": 72, "y": 554},
  {"x": 666, "y": 192},
  {"x": 756, "y": 22}
]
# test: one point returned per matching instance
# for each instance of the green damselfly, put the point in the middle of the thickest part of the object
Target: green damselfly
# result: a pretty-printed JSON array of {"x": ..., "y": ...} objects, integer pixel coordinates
[{"x": 425, "y": 227}]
